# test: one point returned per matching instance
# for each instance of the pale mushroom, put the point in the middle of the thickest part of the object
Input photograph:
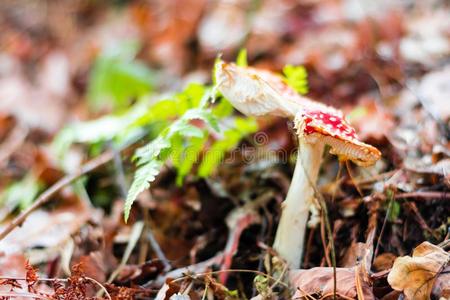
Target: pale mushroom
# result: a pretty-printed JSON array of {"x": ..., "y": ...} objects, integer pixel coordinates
[{"x": 257, "y": 92}]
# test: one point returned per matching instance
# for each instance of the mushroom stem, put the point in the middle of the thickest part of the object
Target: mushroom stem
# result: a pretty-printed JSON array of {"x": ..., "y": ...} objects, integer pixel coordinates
[{"x": 294, "y": 216}]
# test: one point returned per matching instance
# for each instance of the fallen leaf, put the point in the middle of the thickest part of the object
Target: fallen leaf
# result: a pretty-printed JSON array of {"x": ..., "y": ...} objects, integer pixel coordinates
[
  {"x": 319, "y": 281},
  {"x": 441, "y": 288},
  {"x": 384, "y": 261},
  {"x": 416, "y": 275},
  {"x": 44, "y": 229}
]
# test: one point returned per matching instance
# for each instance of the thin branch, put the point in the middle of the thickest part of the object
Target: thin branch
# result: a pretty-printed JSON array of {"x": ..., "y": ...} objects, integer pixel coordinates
[
  {"x": 419, "y": 195},
  {"x": 24, "y": 295},
  {"x": 48, "y": 194},
  {"x": 157, "y": 249},
  {"x": 102, "y": 288},
  {"x": 424, "y": 195},
  {"x": 391, "y": 197},
  {"x": 195, "y": 276},
  {"x": 120, "y": 173}
]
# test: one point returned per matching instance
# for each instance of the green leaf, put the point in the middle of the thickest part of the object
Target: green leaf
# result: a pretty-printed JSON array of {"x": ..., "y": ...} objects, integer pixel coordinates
[
  {"x": 246, "y": 125},
  {"x": 223, "y": 109},
  {"x": 217, "y": 61},
  {"x": 117, "y": 78},
  {"x": 204, "y": 115},
  {"x": 394, "y": 211},
  {"x": 217, "y": 151},
  {"x": 100, "y": 130},
  {"x": 189, "y": 158},
  {"x": 241, "y": 59},
  {"x": 177, "y": 150},
  {"x": 231, "y": 138},
  {"x": 297, "y": 78},
  {"x": 20, "y": 194},
  {"x": 185, "y": 129},
  {"x": 142, "y": 178},
  {"x": 190, "y": 97},
  {"x": 152, "y": 149}
]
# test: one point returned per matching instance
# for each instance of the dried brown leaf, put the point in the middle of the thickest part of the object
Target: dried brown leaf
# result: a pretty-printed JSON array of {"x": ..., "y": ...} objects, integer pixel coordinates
[
  {"x": 319, "y": 282},
  {"x": 416, "y": 275}
]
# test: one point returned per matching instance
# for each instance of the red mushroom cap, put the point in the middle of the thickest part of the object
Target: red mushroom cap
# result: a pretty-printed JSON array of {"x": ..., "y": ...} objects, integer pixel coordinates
[{"x": 331, "y": 128}]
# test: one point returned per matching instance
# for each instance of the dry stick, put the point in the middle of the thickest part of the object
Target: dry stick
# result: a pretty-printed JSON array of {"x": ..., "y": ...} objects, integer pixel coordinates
[
  {"x": 331, "y": 241},
  {"x": 308, "y": 246},
  {"x": 445, "y": 244},
  {"x": 102, "y": 288},
  {"x": 424, "y": 195},
  {"x": 120, "y": 174},
  {"x": 195, "y": 276},
  {"x": 261, "y": 257},
  {"x": 347, "y": 165},
  {"x": 336, "y": 181},
  {"x": 46, "y": 196},
  {"x": 24, "y": 295},
  {"x": 157, "y": 249},
  {"x": 418, "y": 195},
  {"x": 391, "y": 197},
  {"x": 324, "y": 243}
]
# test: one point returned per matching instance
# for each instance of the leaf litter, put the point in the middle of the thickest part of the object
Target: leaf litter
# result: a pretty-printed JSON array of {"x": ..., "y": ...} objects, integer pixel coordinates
[{"x": 112, "y": 77}]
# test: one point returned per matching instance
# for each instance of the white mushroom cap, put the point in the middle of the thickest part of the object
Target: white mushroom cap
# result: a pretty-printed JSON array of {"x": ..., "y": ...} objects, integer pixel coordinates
[
  {"x": 253, "y": 92},
  {"x": 257, "y": 92}
]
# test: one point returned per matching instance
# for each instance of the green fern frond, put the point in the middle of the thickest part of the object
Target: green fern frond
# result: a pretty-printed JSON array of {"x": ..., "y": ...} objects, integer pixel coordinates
[
  {"x": 297, "y": 78},
  {"x": 142, "y": 178},
  {"x": 241, "y": 59}
]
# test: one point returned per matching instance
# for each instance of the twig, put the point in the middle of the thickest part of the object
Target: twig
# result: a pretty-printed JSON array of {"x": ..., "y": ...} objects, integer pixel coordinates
[
  {"x": 279, "y": 277},
  {"x": 261, "y": 257},
  {"x": 412, "y": 207},
  {"x": 24, "y": 295},
  {"x": 194, "y": 276},
  {"x": 445, "y": 244},
  {"x": 135, "y": 234},
  {"x": 417, "y": 195},
  {"x": 100, "y": 285},
  {"x": 120, "y": 174},
  {"x": 308, "y": 246},
  {"x": 324, "y": 243},
  {"x": 358, "y": 285},
  {"x": 391, "y": 197},
  {"x": 331, "y": 242},
  {"x": 347, "y": 165},
  {"x": 424, "y": 195},
  {"x": 157, "y": 249},
  {"x": 47, "y": 195},
  {"x": 38, "y": 279},
  {"x": 149, "y": 238}
]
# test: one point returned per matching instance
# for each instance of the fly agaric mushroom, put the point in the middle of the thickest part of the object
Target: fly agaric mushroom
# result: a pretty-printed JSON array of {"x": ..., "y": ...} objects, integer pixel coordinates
[{"x": 257, "y": 92}]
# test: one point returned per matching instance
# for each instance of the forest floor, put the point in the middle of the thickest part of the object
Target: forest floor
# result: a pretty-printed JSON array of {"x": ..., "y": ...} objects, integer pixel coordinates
[{"x": 85, "y": 84}]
